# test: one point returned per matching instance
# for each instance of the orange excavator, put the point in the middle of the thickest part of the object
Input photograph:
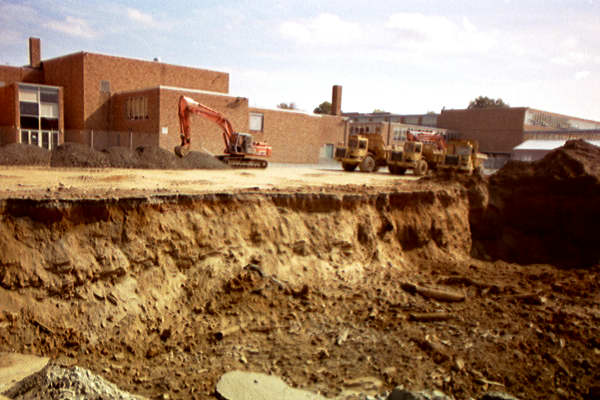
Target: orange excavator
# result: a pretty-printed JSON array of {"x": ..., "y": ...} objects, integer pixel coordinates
[{"x": 240, "y": 149}]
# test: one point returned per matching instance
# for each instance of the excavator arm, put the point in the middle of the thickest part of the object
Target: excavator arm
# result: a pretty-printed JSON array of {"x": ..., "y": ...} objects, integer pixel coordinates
[{"x": 188, "y": 106}]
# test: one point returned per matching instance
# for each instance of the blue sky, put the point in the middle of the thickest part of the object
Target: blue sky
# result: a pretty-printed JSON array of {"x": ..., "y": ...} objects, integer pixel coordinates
[{"x": 399, "y": 56}]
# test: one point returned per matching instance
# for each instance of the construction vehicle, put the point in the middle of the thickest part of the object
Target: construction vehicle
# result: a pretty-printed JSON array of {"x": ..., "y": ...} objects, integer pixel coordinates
[
  {"x": 420, "y": 153},
  {"x": 240, "y": 149},
  {"x": 407, "y": 156},
  {"x": 366, "y": 151},
  {"x": 434, "y": 148},
  {"x": 463, "y": 156}
]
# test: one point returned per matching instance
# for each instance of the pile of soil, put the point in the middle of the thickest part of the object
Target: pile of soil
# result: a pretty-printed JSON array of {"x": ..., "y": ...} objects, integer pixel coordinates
[
  {"x": 546, "y": 211},
  {"x": 24, "y": 154},
  {"x": 76, "y": 155}
]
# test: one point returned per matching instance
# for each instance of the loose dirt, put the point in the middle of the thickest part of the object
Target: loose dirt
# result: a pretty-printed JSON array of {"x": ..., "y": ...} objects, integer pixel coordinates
[
  {"x": 323, "y": 278},
  {"x": 75, "y": 155}
]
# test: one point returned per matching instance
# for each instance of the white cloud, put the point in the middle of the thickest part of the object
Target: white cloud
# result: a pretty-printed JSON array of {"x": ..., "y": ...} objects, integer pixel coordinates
[
  {"x": 438, "y": 35},
  {"x": 571, "y": 59},
  {"x": 325, "y": 29},
  {"x": 138, "y": 16},
  {"x": 579, "y": 75},
  {"x": 73, "y": 26}
]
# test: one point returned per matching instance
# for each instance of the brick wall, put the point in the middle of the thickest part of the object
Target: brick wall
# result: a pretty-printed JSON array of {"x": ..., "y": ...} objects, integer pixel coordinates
[
  {"x": 123, "y": 74},
  {"x": 10, "y": 75},
  {"x": 8, "y": 106},
  {"x": 100, "y": 140},
  {"x": 67, "y": 72},
  {"x": 498, "y": 130},
  {"x": 119, "y": 118},
  {"x": 8, "y": 135},
  {"x": 297, "y": 137}
]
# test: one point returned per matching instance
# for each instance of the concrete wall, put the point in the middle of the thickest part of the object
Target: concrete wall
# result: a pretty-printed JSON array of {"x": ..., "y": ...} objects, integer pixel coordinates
[
  {"x": 297, "y": 137},
  {"x": 498, "y": 130}
]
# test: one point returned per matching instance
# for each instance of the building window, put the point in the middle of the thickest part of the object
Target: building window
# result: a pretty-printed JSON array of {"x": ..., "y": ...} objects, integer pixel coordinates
[
  {"x": 38, "y": 106},
  {"x": 256, "y": 122},
  {"x": 104, "y": 87},
  {"x": 137, "y": 108}
]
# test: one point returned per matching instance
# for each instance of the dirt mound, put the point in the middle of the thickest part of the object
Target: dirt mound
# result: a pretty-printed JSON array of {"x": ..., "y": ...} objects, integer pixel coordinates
[
  {"x": 546, "y": 211},
  {"x": 56, "y": 382},
  {"x": 159, "y": 158},
  {"x": 122, "y": 157},
  {"x": 82, "y": 156},
  {"x": 78, "y": 155},
  {"x": 200, "y": 160},
  {"x": 24, "y": 154}
]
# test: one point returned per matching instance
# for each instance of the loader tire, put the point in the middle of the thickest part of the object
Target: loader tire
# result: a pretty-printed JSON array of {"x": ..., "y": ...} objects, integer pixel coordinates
[
  {"x": 368, "y": 164},
  {"x": 421, "y": 168},
  {"x": 348, "y": 167}
]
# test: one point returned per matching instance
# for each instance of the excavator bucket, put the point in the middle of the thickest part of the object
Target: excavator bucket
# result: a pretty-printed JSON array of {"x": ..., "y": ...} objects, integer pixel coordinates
[{"x": 182, "y": 151}]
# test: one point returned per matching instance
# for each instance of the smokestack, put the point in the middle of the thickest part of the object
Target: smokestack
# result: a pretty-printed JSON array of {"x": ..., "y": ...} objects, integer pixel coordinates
[
  {"x": 336, "y": 100},
  {"x": 35, "y": 53}
]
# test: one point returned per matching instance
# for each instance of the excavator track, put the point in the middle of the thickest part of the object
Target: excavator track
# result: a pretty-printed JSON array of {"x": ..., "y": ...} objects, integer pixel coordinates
[{"x": 244, "y": 162}]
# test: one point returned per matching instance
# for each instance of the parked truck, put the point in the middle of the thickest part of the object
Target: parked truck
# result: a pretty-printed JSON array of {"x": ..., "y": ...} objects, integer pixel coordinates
[
  {"x": 409, "y": 156},
  {"x": 366, "y": 151},
  {"x": 463, "y": 156}
]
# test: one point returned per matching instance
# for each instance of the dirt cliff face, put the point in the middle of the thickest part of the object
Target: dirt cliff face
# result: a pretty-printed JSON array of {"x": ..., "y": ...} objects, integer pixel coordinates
[
  {"x": 546, "y": 211},
  {"x": 62, "y": 246}
]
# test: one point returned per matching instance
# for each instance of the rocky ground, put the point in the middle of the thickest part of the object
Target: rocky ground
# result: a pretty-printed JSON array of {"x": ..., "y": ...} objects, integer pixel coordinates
[{"x": 344, "y": 290}]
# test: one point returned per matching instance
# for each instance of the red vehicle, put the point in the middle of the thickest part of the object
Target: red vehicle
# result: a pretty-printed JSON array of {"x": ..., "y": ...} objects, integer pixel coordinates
[{"x": 241, "y": 151}]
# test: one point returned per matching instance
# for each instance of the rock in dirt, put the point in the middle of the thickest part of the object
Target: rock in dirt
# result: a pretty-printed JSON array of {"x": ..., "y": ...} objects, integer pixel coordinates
[
  {"x": 239, "y": 385},
  {"x": 55, "y": 382}
]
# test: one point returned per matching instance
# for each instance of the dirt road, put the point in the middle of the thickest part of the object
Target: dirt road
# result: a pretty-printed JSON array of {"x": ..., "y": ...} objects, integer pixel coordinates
[{"x": 81, "y": 182}]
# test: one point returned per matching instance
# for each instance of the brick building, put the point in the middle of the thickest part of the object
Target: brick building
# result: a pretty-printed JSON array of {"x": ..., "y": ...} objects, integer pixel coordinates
[
  {"x": 500, "y": 130},
  {"x": 104, "y": 101}
]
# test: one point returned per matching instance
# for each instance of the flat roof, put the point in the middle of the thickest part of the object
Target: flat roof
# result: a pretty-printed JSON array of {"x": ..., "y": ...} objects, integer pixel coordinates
[{"x": 537, "y": 144}]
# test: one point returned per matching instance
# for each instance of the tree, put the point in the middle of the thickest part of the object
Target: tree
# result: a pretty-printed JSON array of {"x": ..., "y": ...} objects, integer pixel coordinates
[
  {"x": 486, "y": 102},
  {"x": 287, "y": 106},
  {"x": 323, "y": 108}
]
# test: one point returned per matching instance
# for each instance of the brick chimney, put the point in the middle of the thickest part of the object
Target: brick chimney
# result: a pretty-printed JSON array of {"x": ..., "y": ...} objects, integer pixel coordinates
[
  {"x": 336, "y": 100},
  {"x": 35, "y": 53}
]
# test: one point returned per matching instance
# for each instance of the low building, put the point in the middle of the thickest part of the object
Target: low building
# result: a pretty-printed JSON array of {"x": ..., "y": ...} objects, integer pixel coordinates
[
  {"x": 536, "y": 149},
  {"x": 500, "y": 130},
  {"x": 102, "y": 101}
]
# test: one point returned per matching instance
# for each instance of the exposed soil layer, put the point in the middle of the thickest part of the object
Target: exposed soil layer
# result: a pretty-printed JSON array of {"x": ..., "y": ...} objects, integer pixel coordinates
[
  {"x": 82, "y": 156},
  {"x": 546, "y": 211}
]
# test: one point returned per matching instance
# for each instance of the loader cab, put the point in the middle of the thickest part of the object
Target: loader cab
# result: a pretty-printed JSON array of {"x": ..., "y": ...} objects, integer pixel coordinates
[
  {"x": 413, "y": 150},
  {"x": 243, "y": 143},
  {"x": 357, "y": 146}
]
